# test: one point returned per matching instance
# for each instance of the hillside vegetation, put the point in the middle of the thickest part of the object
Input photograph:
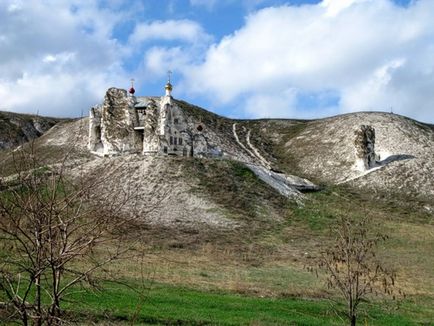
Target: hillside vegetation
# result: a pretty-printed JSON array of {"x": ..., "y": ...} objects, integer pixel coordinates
[{"x": 219, "y": 246}]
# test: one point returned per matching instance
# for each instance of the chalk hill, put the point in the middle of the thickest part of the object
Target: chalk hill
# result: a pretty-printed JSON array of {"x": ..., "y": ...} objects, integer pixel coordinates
[
  {"x": 225, "y": 193},
  {"x": 324, "y": 151}
]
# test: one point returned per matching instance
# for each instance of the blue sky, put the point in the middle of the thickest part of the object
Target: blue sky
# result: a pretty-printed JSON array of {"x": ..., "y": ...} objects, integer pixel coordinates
[{"x": 239, "y": 58}]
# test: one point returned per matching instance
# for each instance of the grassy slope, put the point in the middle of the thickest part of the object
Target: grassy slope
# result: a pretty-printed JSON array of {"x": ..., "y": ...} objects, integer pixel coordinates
[
  {"x": 219, "y": 277},
  {"x": 220, "y": 280}
]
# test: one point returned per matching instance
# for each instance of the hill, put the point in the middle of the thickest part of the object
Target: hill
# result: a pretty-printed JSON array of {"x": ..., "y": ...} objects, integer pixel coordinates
[
  {"x": 321, "y": 150},
  {"x": 16, "y": 129},
  {"x": 215, "y": 225},
  {"x": 324, "y": 151}
]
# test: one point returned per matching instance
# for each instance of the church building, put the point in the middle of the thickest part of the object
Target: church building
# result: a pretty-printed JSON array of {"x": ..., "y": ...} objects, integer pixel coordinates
[{"x": 147, "y": 125}]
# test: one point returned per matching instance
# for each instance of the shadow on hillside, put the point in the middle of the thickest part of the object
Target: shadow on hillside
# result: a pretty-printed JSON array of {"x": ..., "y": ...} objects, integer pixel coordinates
[{"x": 394, "y": 158}]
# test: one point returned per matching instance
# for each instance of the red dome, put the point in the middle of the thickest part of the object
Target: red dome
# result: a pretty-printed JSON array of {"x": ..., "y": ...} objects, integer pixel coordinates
[{"x": 132, "y": 90}]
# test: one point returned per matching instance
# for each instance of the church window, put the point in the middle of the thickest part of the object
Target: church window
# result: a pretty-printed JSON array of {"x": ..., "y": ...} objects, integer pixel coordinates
[
  {"x": 184, "y": 151},
  {"x": 199, "y": 128},
  {"x": 171, "y": 140},
  {"x": 165, "y": 149},
  {"x": 176, "y": 121},
  {"x": 175, "y": 140},
  {"x": 180, "y": 141}
]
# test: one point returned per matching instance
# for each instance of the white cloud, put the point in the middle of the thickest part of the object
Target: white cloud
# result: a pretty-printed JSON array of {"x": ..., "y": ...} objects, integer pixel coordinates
[
  {"x": 271, "y": 106},
  {"x": 334, "y": 7},
  {"x": 181, "y": 43},
  {"x": 62, "y": 57},
  {"x": 373, "y": 53},
  {"x": 159, "y": 59},
  {"x": 183, "y": 30},
  {"x": 57, "y": 58}
]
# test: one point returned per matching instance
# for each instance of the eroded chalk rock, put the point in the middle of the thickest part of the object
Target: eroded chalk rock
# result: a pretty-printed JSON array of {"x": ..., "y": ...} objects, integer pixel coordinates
[
  {"x": 117, "y": 132},
  {"x": 111, "y": 129},
  {"x": 365, "y": 146}
]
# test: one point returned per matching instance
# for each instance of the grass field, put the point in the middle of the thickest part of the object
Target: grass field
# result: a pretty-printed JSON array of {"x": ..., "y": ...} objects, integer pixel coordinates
[
  {"x": 259, "y": 277},
  {"x": 163, "y": 304}
]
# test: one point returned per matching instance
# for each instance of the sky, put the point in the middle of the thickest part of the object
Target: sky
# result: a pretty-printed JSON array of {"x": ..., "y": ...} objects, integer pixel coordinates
[{"x": 238, "y": 58}]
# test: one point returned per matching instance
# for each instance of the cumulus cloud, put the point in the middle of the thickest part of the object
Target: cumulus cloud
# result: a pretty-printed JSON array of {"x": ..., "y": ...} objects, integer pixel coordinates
[
  {"x": 369, "y": 54},
  {"x": 56, "y": 58},
  {"x": 181, "y": 43},
  {"x": 159, "y": 59},
  {"x": 184, "y": 30}
]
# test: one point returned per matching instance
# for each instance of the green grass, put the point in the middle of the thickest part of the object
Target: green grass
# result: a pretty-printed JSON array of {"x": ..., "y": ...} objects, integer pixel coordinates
[{"x": 171, "y": 305}]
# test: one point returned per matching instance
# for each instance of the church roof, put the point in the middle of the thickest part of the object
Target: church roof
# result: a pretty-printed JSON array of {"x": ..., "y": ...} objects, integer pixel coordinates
[{"x": 144, "y": 101}]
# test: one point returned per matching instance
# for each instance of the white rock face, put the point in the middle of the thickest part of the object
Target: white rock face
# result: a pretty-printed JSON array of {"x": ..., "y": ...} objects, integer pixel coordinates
[
  {"x": 148, "y": 125},
  {"x": 111, "y": 128}
]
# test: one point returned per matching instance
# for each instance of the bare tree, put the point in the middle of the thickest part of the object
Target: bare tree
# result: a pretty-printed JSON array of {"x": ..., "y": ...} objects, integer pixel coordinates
[
  {"x": 51, "y": 227},
  {"x": 351, "y": 264}
]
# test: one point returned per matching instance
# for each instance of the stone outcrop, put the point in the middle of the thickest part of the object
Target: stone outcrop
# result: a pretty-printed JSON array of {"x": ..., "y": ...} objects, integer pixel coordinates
[
  {"x": 365, "y": 146},
  {"x": 117, "y": 130},
  {"x": 111, "y": 128}
]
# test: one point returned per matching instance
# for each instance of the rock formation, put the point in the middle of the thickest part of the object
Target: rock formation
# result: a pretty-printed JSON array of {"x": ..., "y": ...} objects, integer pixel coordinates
[
  {"x": 125, "y": 124},
  {"x": 365, "y": 146}
]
